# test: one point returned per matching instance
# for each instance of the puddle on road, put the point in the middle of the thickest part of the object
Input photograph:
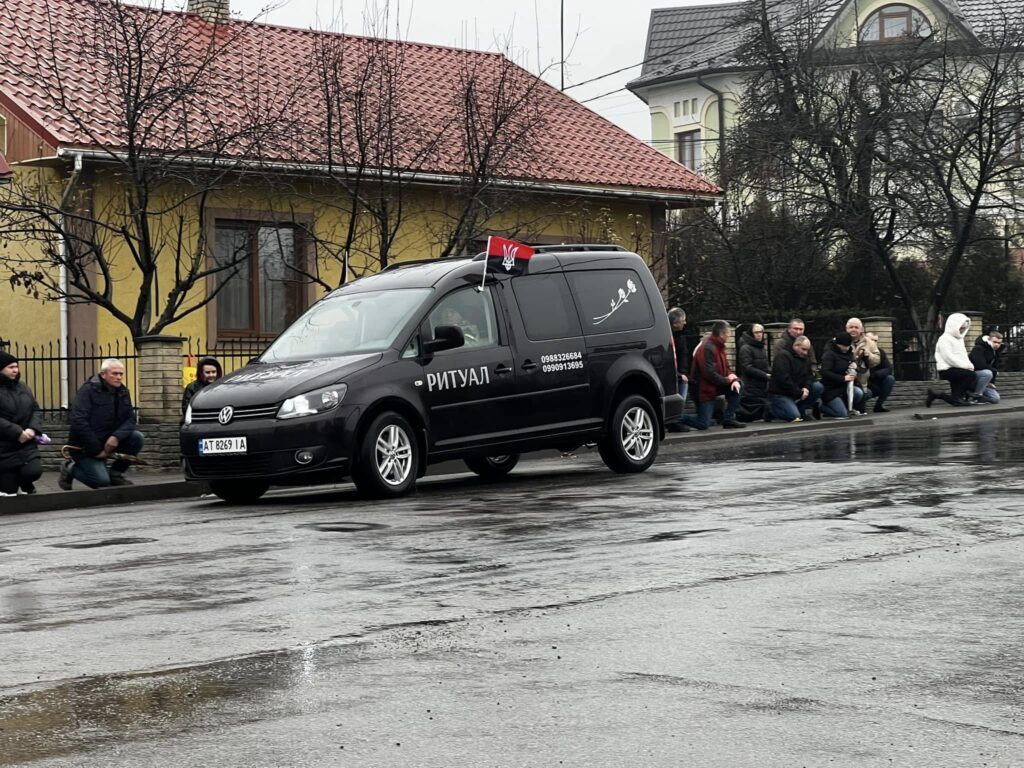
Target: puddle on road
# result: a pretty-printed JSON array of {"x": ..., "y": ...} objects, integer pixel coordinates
[
  {"x": 887, "y": 529},
  {"x": 678, "y": 535},
  {"x": 343, "y": 527},
  {"x": 103, "y": 543}
]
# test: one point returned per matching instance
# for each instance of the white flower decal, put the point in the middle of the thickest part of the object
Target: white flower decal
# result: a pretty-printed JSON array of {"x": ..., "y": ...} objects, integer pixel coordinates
[{"x": 624, "y": 294}]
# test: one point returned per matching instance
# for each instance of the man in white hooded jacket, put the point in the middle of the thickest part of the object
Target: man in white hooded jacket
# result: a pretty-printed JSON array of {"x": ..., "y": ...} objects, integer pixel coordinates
[{"x": 953, "y": 363}]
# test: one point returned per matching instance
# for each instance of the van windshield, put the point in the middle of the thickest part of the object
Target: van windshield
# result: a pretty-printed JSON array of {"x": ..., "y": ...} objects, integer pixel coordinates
[{"x": 348, "y": 324}]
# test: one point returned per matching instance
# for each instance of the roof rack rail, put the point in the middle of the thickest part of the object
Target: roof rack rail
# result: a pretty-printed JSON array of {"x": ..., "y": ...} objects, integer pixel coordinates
[
  {"x": 577, "y": 247},
  {"x": 417, "y": 262}
]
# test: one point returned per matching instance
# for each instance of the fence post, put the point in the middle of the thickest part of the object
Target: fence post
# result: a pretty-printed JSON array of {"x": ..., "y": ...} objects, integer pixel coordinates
[
  {"x": 159, "y": 395},
  {"x": 977, "y": 325},
  {"x": 730, "y": 347},
  {"x": 882, "y": 327}
]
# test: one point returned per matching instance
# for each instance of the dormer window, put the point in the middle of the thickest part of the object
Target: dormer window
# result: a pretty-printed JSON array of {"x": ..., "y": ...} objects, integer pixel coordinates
[{"x": 895, "y": 23}]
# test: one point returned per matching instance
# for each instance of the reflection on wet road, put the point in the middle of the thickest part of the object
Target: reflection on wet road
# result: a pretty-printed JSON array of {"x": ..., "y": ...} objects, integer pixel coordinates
[{"x": 164, "y": 623}]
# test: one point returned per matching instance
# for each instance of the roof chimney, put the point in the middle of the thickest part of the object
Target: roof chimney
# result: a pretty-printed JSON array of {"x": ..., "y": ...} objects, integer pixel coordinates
[{"x": 212, "y": 11}]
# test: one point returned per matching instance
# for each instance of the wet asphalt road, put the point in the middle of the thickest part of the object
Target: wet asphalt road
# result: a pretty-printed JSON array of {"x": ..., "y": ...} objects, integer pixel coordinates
[{"x": 830, "y": 599}]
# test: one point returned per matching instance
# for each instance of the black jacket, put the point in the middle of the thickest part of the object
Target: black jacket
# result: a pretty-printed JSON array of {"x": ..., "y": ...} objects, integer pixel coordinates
[
  {"x": 790, "y": 374},
  {"x": 198, "y": 384},
  {"x": 684, "y": 351},
  {"x": 99, "y": 412},
  {"x": 834, "y": 365},
  {"x": 785, "y": 341},
  {"x": 984, "y": 357},
  {"x": 752, "y": 364},
  {"x": 18, "y": 411}
]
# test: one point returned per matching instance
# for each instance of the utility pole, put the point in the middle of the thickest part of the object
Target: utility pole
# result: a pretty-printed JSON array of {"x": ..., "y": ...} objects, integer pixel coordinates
[{"x": 561, "y": 36}]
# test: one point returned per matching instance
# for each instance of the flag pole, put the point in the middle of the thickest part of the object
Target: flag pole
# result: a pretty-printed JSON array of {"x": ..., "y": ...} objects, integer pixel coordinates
[{"x": 487, "y": 255}]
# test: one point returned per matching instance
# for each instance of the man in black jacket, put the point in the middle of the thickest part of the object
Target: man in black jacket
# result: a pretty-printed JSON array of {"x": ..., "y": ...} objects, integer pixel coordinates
[
  {"x": 684, "y": 358},
  {"x": 102, "y": 423},
  {"x": 792, "y": 387}
]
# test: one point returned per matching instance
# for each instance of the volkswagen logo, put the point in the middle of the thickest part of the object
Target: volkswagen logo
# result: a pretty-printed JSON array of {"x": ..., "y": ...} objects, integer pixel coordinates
[{"x": 226, "y": 414}]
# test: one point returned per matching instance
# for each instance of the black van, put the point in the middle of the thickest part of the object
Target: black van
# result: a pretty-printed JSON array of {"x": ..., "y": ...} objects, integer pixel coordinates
[{"x": 425, "y": 362}]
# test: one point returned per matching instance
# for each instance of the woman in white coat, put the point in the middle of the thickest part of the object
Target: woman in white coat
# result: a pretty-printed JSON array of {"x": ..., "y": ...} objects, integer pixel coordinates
[{"x": 953, "y": 363}]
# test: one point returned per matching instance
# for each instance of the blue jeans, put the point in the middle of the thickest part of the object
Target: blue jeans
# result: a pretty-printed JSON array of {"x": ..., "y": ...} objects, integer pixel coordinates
[
  {"x": 982, "y": 379},
  {"x": 706, "y": 409},
  {"x": 786, "y": 408},
  {"x": 837, "y": 405},
  {"x": 93, "y": 472},
  {"x": 881, "y": 387}
]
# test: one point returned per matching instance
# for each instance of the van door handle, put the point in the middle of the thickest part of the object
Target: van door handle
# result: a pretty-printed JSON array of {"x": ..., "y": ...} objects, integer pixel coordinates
[
  {"x": 529, "y": 365},
  {"x": 502, "y": 369}
]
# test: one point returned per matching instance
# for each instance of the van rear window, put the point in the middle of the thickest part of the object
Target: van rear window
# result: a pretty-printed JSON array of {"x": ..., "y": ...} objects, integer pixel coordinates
[
  {"x": 546, "y": 306},
  {"x": 611, "y": 300}
]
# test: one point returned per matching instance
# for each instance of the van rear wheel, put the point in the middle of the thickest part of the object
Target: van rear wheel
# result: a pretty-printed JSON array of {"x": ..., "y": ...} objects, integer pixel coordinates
[
  {"x": 492, "y": 467},
  {"x": 239, "y": 491},
  {"x": 631, "y": 442},
  {"x": 387, "y": 458}
]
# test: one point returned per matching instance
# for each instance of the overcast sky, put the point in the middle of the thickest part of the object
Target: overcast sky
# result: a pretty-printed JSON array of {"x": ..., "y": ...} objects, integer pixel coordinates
[{"x": 604, "y": 35}]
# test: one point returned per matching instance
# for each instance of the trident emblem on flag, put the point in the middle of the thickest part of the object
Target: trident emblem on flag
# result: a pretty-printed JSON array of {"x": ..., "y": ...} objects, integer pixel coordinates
[{"x": 508, "y": 259}]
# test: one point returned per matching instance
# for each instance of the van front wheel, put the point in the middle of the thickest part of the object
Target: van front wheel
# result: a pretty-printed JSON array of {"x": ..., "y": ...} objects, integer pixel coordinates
[
  {"x": 387, "y": 459},
  {"x": 493, "y": 467},
  {"x": 631, "y": 442}
]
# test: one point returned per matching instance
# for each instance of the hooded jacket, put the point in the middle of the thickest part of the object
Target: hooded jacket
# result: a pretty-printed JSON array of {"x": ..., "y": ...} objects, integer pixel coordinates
[
  {"x": 198, "y": 384},
  {"x": 18, "y": 411},
  {"x": 99, "y": 412},
  {"x": 950, "y": 351},
  {"x": 785, "y": 341},
  {"x": 752, "y": 364},
  {"x": 983, "y": 356}
]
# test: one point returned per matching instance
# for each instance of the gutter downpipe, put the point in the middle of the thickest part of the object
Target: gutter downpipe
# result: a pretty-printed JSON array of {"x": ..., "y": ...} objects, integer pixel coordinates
[
  {"x": 65, "y": 200},
  {"x": 722, "y": 181}
]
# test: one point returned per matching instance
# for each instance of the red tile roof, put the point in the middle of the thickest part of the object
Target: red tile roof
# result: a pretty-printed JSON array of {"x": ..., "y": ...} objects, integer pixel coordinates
[{"x": 266, "y": 70}]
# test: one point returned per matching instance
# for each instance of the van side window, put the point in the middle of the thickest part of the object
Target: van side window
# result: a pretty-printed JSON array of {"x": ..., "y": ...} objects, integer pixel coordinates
[
  {"x": 473, "y": 312},
  {"x": 546, "y": 306},
  {"x": 611, "y": 300}
]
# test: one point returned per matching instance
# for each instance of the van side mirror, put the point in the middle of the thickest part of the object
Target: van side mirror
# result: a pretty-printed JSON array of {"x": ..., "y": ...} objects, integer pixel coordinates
[{"x": 445, "y": 337}]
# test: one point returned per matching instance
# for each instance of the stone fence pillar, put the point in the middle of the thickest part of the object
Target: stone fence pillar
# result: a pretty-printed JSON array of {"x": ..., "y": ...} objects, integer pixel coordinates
[
  {"x": 977, "y": 324},
  {"x": 159, "y": 395},
  {"x": 772, "y": 333}
]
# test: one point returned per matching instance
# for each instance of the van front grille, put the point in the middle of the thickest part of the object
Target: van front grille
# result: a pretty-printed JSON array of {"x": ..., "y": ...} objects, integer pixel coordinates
[{"x": 240, "y": 413}]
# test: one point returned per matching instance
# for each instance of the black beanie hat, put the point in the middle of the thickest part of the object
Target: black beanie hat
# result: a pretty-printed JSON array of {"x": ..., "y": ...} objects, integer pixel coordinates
[
  {"x": 844, "y": 339},
  {"x": 6, "y": 359}
]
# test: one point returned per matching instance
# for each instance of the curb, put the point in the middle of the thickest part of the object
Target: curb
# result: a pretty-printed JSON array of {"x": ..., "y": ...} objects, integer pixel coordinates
[
  {"x": 102, "y": 497},
  {"x": 958, "y": 413}
]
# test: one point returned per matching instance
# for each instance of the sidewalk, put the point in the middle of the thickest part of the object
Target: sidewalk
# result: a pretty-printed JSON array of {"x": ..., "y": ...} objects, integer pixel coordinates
[{"x": 164, "y": 485}]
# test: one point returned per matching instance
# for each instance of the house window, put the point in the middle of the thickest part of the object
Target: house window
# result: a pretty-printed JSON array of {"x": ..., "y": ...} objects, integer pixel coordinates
[
  {"x": 895, "y": 23},
  {"x": 3, "y": 134},
  {"x": 688, "y": 149},
  {"x": 261, "y": 286},
  {"x": 1010, "y": 134},
  {"x": 677, "y": 109},
  {"x": 693, "y": 107}
]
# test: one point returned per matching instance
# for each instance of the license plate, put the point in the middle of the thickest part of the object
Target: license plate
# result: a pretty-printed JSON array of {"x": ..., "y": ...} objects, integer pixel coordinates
[{"x": 212, "y": 446}]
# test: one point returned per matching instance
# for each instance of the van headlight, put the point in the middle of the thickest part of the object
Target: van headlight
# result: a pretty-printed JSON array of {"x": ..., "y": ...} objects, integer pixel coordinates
[
  {"x": 188, "y": 414},
  {"x": 310, "y": 403}
]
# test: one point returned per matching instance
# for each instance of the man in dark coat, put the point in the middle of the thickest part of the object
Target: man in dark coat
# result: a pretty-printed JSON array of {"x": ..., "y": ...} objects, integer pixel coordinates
[
  {"x": 792, "y": 387},
  {"x": 785, "y": 341},
  {"x": 754, "y": 371},
  {"x": 102, "y": 423},
  {"x": 985, "y": 357},
  {"x": 681, "y": 342},
  {"x": 710, "y": 376},
  {"x": 208, "y": 370},
  {"x": 21, "y": 422}
]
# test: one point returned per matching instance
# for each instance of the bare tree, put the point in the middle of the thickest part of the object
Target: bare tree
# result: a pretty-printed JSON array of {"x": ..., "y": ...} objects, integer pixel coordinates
[
  {"x": 899, "y": 149},
  {"x": 159, "y": 153}
]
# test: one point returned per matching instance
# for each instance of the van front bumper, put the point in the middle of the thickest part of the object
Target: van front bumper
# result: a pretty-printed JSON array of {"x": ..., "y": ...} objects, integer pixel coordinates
[{"x": 275, "y": 448}]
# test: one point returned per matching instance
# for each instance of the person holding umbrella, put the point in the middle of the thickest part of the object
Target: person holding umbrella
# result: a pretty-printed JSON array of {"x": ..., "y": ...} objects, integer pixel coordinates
[{"x": 841, "y": 397}]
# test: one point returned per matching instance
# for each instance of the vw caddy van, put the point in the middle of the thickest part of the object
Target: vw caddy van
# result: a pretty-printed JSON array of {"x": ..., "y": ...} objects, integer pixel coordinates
[{"x": 426, "y": 362}]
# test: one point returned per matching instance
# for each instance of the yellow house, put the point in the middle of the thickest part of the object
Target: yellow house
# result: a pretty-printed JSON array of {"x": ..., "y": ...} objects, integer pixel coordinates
[{"x": 187, "y": 174}]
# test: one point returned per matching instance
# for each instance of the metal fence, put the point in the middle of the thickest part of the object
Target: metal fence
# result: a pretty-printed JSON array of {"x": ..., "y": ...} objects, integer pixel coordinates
[
  {"x": 42, "y": 367},
  {"x": 231, "y": 354}
]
